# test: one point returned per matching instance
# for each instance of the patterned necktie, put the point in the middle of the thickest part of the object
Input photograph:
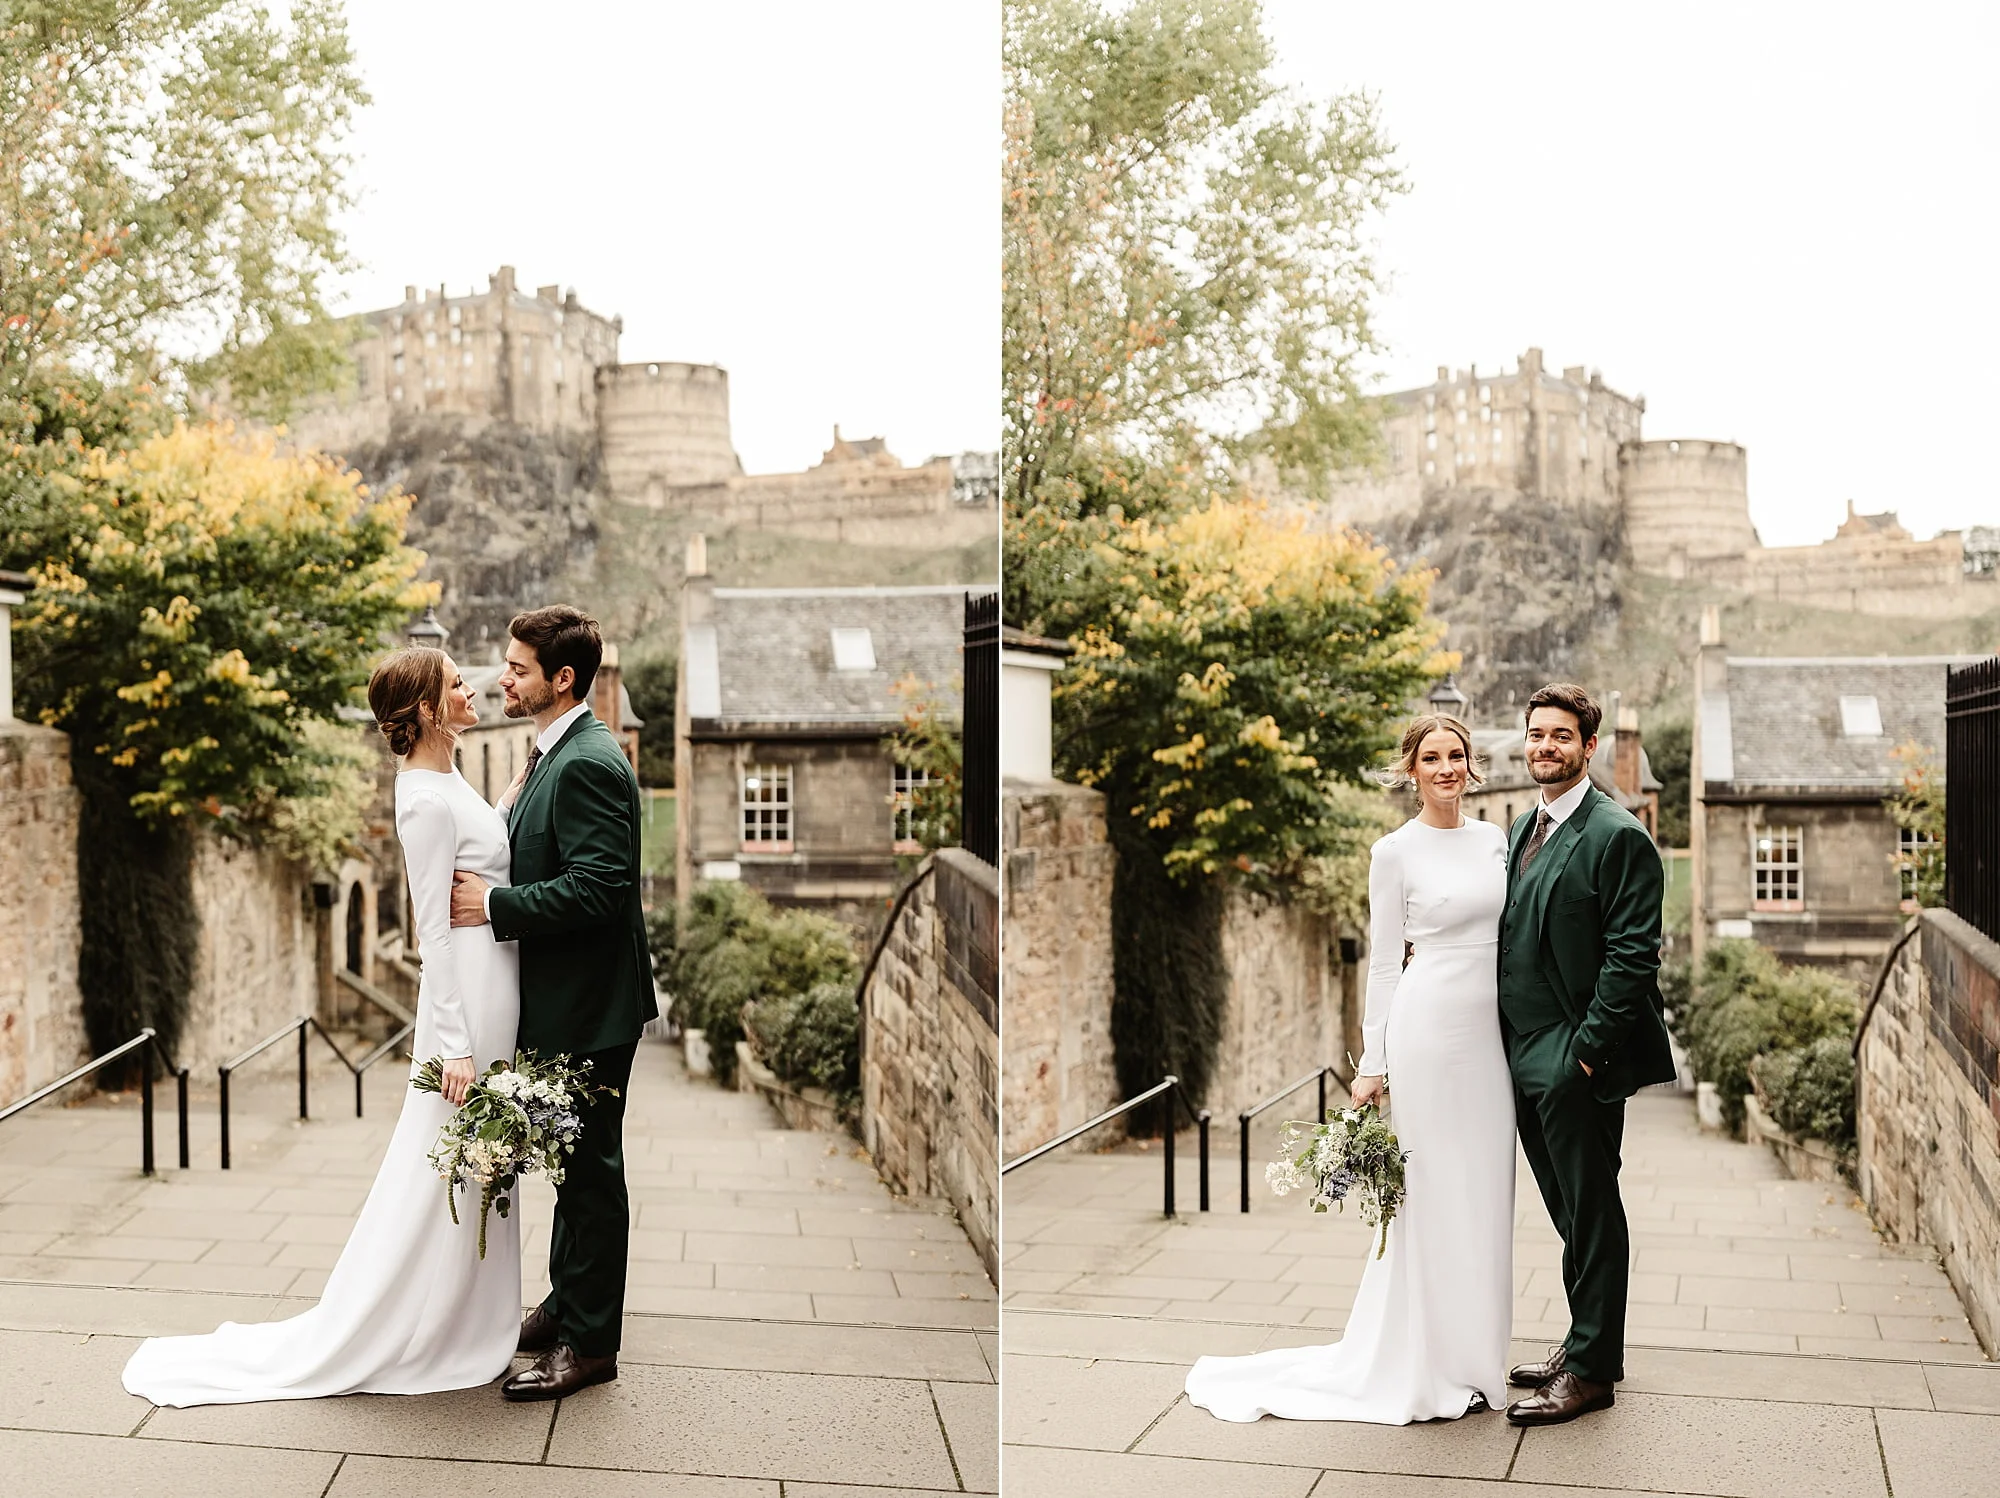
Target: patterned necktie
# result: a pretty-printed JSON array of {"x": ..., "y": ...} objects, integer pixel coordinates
[
  {"x": 533, "y": 755},
  {"x": 1543, "y": 822}
]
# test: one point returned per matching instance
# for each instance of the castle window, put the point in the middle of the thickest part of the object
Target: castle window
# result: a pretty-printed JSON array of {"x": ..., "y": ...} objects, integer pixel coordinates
[
  {"x": 1485, "y": 392},
  {"x": 559, "y": 371},
  {"x": 767, "y": 809},
  {"x": 1499, "y": 433},
  {"x": 454, "y": 317},
  {"x": 430, "y": 339},
  {"x": 1777, "y": 868},
  {"x": 399, "y": 393},
  {"x": 1461, "y": 395},
  {"x": 1430, "y": 396},
  {"x": 466, "y": 358},
  {"x": 398, "y": 362},
  {"x": 454, "y": 335},
  {"x": 1485, "y": 413},
  {"x": 1431, "y": 441},
  {"x": 1430, "y": 464}
]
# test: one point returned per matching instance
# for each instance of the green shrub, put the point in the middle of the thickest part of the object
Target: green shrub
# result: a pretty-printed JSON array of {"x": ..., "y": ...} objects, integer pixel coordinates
[
  {"x": 1810, "y": 1089},
  {"x": 1743, "y": 1003},
  {"x": 732, "y": 948},
  {"x": 811, "y": 1039}
]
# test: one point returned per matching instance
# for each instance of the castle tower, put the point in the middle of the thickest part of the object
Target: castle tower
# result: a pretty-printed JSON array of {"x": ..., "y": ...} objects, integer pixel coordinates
[
  {"x": 664, "y": 426},
  {"x": 1686, "y": 501}
]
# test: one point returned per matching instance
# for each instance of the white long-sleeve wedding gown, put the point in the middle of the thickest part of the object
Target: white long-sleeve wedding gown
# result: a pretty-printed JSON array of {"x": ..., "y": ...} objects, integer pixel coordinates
[
  {"x": 410, "y": 1308},
  {"x": 1431, "y": 1319}
]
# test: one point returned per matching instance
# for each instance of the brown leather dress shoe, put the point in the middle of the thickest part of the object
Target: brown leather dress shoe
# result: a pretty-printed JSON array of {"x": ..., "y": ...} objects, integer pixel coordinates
[
  {"x": 1534, "y": 1375},
  {"x": 1562, "y": 1398},
  {"x": 558, "y": 1373},
  {"x": 539, "y": 1331}
]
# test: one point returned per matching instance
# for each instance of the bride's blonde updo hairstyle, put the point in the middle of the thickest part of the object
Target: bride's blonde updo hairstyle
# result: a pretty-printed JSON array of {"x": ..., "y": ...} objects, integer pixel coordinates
[
  {"x": 1402, "y": 775},
  {"x": 406, "y": 683}
]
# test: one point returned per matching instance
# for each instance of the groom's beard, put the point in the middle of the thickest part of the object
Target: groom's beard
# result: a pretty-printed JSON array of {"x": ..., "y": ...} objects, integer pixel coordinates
[
  {"x": 1556, "y": 771},
  {"x": 525, "y": 705}
]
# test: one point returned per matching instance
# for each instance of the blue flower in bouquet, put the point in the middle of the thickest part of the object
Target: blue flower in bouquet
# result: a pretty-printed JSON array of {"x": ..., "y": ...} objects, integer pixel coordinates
[{"x": 1350, "y": 1152}]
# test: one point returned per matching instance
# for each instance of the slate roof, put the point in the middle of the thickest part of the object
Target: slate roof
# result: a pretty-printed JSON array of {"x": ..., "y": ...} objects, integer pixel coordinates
[
  {"x": 768, "y": 655},
  {"x": 1778, "y": 723}
]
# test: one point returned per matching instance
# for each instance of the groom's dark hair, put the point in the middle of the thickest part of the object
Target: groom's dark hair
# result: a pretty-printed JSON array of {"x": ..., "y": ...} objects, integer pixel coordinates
[
  {"x": 1566, "y": 695},
  {"x": 562, "y": 636}
]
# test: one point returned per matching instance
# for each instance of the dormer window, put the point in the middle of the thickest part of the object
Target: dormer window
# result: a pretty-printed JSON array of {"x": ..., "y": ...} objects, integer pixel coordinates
[
  {"x": 1860, "y": 717},
  {"x": 853, "y": 650}
]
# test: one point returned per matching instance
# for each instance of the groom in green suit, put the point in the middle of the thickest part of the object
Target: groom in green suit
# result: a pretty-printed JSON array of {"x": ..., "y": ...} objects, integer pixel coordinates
[
  {"x": 1585, "y": 1028},
  {"x": 586, "y": 976}
]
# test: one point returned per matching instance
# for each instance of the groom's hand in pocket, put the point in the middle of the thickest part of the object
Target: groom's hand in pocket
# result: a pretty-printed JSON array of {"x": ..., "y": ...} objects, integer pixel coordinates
[
  {"x": 468, "y": 899},
  {"x": 459, "y": 1075}
]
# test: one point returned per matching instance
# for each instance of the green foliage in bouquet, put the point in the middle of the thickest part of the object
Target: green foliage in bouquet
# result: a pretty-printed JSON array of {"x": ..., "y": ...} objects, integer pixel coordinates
[
  {"x": 1352, "y": 1152},
  {"x": 1741, "y": 1003}
]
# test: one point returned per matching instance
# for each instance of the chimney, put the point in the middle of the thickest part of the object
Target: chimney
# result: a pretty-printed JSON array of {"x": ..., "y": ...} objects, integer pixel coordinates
[
  {"x": 697, "y": 555},
  {"x": 1625, "y": 767},
  {"x": 409, "y": 294},
  {"x": 604, "y": 690},
  {"x": 14, "y": 588}
]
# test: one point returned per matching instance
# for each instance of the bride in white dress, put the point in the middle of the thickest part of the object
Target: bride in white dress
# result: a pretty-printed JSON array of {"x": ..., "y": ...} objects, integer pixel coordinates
[
  {"x": 1427, "y": 1337},
  {"x": 410, "y": 1308}
]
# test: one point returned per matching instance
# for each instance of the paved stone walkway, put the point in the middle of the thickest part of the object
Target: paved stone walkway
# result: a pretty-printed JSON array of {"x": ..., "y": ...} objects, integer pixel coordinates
[
  {"x": 1777, "y": 1345},
  {"x": 792, "y": 1328}
]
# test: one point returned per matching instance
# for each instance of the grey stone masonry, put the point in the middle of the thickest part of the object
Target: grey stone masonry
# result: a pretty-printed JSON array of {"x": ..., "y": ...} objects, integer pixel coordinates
[{"x": 1929, "y": 1107}]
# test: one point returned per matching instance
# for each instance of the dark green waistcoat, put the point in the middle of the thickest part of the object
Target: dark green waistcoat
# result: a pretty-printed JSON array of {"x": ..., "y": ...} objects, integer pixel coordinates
[{"x": 1527, "y": 1002}]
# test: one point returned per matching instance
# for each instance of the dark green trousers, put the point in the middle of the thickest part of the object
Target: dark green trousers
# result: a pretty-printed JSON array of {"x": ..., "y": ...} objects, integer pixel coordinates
[
  {"x": 593, "y": 1221},
  {"x": 1571, "y": 1141}
]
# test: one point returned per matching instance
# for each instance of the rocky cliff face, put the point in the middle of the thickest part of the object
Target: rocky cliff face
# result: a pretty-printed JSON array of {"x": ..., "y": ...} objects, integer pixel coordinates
[
  {"x": 1531, "y": 588},
  {"x": 509, "y": 516}
]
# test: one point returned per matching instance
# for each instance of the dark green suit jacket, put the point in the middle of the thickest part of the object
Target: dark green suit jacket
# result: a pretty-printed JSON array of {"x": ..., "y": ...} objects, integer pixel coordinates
[
  {"x": 1597, "y": 886},
  {"x": 586, "y": 975}
]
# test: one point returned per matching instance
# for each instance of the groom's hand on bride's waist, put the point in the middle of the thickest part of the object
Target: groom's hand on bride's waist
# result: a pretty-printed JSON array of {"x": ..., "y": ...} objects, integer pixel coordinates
[{"x": 468, "y": 899}]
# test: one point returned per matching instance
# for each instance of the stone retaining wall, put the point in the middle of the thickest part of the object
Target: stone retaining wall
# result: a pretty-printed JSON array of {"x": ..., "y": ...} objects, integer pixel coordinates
[
  {"x": 257, "y": 967},
  {"x": 930, "y": 1049},
  {"x": 1057, "y": 1036},
  {"x": 41, "y": 1013},
  {"x": 1286, "y": 1010},
  {"x": 1928, "y": 1108}
]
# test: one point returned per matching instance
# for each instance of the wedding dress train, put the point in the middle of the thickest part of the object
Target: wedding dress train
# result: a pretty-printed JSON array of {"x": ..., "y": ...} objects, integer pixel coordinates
[
  {"x": 410, "y": 1308},
  {"x": 1431, "y": 1320}
]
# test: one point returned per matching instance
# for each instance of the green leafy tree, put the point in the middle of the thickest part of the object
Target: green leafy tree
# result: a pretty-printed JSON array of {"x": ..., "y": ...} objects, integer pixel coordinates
[
  {"x": 1669, "y": 749},
  {"x": 652, "y": 681},
  {"x": 1918, "y": 808},
  {"x": 204, "y": 605},
  {"x": 931, "y": 742},
  {"x": 1186, "y": 271},
  {"x": 175, "y": 172}
]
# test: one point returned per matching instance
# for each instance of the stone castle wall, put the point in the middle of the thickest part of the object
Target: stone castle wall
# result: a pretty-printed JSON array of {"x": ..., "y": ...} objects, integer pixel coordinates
[
  {"x": 930, "y": 1056},
  {"x": 257, "y": 967},
  {"x": 664, "y": 427},
  {"x": 865, "y": 503},
  {"x": 41, "y": 1011},
  {"x": 1057, "y": 1055},
  {"x": 1286, "y": 1012},
  {"x": 1685, "y": 501},
  {"x": 1928, "y": 1109}
]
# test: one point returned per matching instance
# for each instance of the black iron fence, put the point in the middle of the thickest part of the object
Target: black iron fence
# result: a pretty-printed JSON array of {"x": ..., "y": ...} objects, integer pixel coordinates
[
  {"x": 982, "y": 726},
  {"x": 1972, "y": 794}
]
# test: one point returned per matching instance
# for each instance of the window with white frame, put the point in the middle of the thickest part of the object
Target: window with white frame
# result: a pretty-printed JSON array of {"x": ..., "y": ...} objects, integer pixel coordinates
[
  {"x": 1915, "y": 849},
  {"x": 905, "y": 780},
  {"x": 767, "y": 809},
  {"x": 1777, "y": 868}
]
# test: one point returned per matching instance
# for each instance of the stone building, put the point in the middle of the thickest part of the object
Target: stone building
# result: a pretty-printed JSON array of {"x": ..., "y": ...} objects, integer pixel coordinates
[
  {"x": 1793, "y": 764},
  {"x": 660, "y": 431},
  {"x": 1530, "y": 436},
  {"x": 787, "y": 704}
]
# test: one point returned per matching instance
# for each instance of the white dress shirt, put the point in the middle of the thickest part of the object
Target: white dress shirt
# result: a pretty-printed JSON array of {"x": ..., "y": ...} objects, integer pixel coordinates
[
  {"x": 549, "y": 738},
  {"x": 1560, "y": 808}
]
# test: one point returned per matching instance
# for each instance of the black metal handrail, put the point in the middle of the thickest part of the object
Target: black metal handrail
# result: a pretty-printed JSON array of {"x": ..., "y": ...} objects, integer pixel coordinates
[
  {"x": 1171, "y": 1086},
  {"x": 178, "y": 1073},
  {"x": 1243, "y": 1119},
  {"x": 301, "y": 1025}
]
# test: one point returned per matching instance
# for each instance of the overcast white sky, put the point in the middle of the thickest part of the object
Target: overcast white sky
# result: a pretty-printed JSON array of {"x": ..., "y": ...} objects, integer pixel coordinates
[
  {"x": 1773, "y": 220},
  {"x": 802, "y": 192}
]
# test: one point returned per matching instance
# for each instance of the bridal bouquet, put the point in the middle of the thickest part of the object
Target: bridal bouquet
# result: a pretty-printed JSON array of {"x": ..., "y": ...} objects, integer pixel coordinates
[
  {"x": 515, "y": 1120},
  {"x": 1352, "y": 1151}
]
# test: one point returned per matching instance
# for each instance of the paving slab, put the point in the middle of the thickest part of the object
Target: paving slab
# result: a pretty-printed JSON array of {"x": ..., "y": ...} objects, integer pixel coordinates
[
  {"x": 776, "y": 1425},
  {"x": 971, "y": 1417},
  {"x": 1089, "y": 1403},
  {"x": 380, "y": 1477},
  {"x": 439, "y": 1425},
  {"x": 1931, "y": 1454},
  {"x": 50, "y": 1465},
  {"x": 1476, "y": 1446},
  {"x": 1046, "y": 1472},
  {"x": 67, "y": 1381}
]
